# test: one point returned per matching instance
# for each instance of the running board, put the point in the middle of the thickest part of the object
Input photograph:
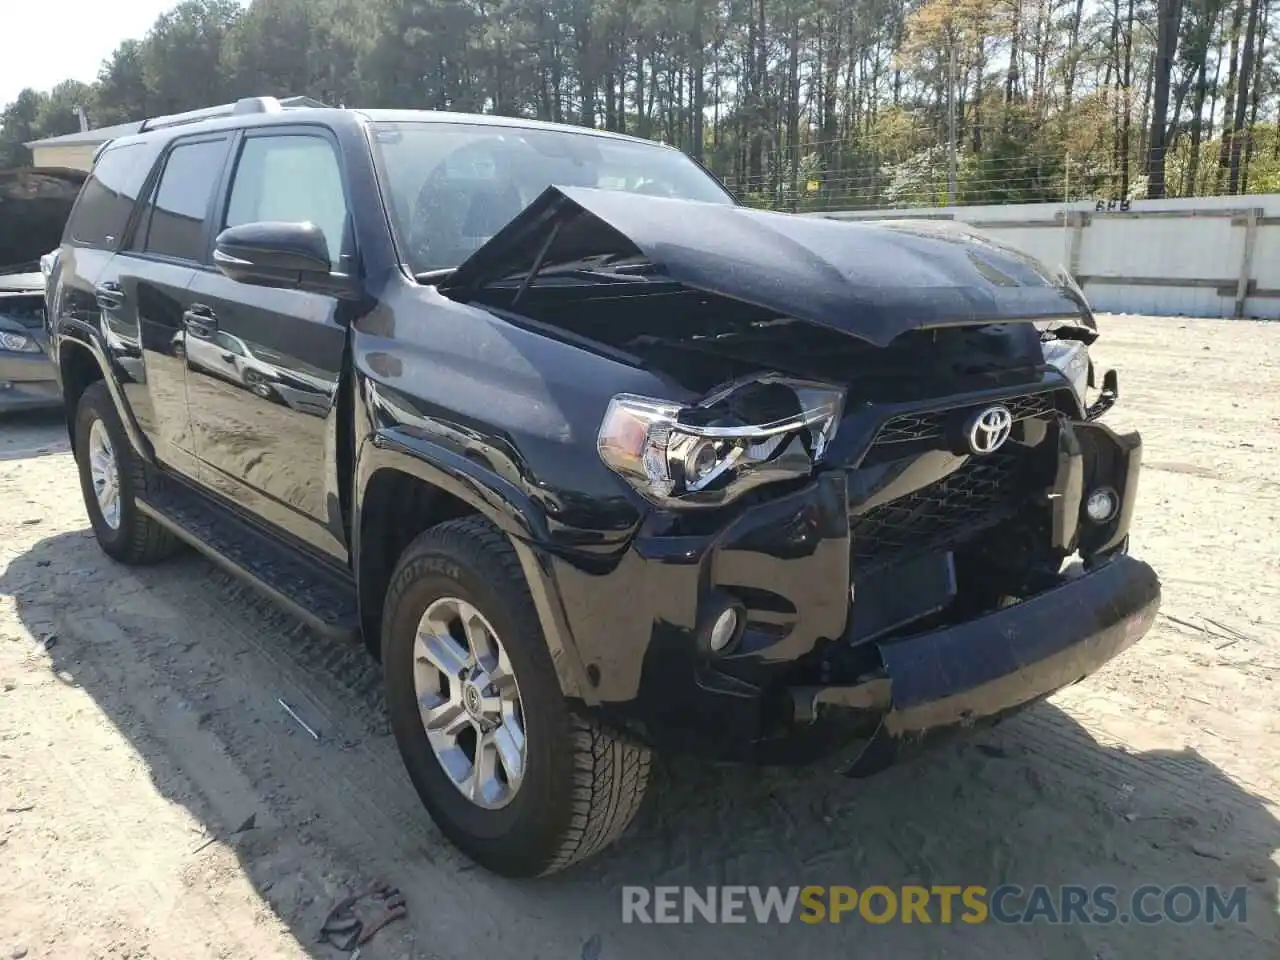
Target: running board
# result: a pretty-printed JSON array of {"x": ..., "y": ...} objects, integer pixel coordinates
[{"x": 322, "y": 598}]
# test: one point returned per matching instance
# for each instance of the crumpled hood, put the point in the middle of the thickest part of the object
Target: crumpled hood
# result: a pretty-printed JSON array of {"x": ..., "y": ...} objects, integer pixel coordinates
[
  {"x": 35, "y": 203},
  {"x": 875, "y": 280}
]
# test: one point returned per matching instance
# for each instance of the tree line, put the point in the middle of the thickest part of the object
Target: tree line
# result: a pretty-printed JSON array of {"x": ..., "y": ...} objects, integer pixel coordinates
[{"x": 797, "y": 104}]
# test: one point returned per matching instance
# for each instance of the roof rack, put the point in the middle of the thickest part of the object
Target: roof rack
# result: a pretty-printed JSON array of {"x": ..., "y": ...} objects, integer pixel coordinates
[{"x": 241, "y": 106}]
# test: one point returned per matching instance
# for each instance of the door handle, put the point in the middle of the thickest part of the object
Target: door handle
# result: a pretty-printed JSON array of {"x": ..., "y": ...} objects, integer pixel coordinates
[
  {"x": 109, "y": 295},
  {"x": 199, "y": 321}
]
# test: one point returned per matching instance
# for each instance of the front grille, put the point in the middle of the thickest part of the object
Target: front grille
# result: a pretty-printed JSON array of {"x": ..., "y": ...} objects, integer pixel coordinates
[
  {"x": 911, "y": 427},
  {"x": 980, "y": 494}
]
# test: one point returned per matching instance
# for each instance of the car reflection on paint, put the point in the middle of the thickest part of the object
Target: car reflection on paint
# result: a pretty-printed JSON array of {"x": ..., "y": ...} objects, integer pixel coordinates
[{"x": 231, "y": 359}]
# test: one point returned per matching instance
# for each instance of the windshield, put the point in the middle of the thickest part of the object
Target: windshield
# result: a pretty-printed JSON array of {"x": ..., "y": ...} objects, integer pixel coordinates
[{"x": 452, "y": 186}]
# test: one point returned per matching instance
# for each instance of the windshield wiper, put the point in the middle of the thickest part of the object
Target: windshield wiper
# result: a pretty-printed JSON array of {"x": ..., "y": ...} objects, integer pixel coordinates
[
  {"x": 537, "y": 263},
  {"x": 431, "y": 278},
  {"x": 614, "y": 266}
]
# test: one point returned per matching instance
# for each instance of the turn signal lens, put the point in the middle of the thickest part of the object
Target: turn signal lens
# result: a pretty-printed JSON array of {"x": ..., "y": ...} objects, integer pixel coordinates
[{"x": 1071, "y": 358}]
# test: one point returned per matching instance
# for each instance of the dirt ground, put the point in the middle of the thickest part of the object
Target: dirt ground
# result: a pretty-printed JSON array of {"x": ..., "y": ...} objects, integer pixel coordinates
[{"x": 156, "y": 801}]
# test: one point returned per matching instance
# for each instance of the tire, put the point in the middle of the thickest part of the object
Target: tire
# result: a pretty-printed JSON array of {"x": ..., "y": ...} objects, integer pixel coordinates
[
  {"x": 134, "y": 538},
  {"x": 258, "y": 385},
  {"x": 581, "y": 786}
]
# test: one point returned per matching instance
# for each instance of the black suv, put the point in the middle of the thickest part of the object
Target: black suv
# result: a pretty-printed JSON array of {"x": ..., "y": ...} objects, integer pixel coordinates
[{"x": 596, "y": 460}]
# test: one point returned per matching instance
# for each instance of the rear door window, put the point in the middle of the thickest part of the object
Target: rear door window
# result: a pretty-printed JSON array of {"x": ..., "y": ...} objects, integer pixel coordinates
[
  {"x": 107, "y": 198},
  {"x": 174, "y": 223}
]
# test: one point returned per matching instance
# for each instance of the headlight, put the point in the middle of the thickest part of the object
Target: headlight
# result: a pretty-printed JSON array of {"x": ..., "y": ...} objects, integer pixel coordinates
[
  {"x": 755, "y": 431},
  {"x": 18, "y": 342},
  {"x": 1071, "y": 357}
]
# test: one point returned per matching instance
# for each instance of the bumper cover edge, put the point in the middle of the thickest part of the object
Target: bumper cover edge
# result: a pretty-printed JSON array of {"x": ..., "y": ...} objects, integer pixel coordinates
[{"x": 946, "y": 681}]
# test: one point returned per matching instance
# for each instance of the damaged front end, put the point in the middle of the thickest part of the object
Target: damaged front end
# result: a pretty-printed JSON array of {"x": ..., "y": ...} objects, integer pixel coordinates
[
  {"x": 34, "y": 205},
  {"x": 878, "y": 505}
]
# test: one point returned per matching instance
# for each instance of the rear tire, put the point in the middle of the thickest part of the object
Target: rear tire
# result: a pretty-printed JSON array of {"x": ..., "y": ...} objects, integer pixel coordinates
[
  {"x": 111, "y": 477},
  {"x": 578, "y": 786}
]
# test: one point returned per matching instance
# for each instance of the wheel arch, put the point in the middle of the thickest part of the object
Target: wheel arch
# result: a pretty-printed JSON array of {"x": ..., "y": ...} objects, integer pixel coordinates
[
  {"x": 81, "y": 362},
  {"x": 405, "y": 485}
]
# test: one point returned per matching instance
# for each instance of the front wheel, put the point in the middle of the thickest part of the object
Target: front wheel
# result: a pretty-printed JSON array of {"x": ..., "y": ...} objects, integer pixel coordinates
[
  {"x": 511, "y": 776},
  {"x": 258, "y": 385}
]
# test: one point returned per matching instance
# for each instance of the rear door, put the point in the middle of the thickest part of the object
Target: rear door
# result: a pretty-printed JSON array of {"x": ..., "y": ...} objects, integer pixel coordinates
[
  {"x": 151, "y": 276},
  {"x": 83, "y": 300},
  {"x": 262, "y": 396}
]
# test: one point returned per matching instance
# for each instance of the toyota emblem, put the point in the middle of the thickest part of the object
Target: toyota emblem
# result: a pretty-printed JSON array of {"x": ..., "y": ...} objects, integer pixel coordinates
[{"x": 988, "y": 429}]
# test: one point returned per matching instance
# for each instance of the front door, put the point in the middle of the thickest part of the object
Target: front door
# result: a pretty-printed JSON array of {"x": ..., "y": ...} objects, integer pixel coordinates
[{"x": 263, "y": 364}]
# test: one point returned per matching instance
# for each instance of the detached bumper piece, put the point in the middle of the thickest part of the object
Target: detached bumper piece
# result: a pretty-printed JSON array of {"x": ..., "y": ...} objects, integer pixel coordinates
[
  {"x": 1110, "y": 393},
  {"x": 938, "y": 683}
]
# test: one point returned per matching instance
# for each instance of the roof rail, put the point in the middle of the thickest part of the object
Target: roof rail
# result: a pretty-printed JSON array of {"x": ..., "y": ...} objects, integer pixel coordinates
[
  {"x": 241, "y": 106},
  {"x": 99, "y": 151}
]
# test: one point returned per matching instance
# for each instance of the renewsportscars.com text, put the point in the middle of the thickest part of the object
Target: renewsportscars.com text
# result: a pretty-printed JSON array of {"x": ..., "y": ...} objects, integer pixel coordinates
[{"x": 944, "y": 904}]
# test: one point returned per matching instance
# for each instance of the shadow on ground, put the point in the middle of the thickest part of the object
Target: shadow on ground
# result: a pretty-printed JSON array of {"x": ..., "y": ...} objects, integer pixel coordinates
[{"x": 180, "y": 648}]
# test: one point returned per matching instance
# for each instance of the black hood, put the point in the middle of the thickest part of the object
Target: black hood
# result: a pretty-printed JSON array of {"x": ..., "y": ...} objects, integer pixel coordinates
[
  {"x": 875, "y": 280},
  {"x": 34, "y": 205}
]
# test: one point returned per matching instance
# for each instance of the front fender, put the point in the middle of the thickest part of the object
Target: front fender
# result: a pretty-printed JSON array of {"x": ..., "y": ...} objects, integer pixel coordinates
[
  {"x": 76, "y": 335},
  {"x": 498, "y": 500}
]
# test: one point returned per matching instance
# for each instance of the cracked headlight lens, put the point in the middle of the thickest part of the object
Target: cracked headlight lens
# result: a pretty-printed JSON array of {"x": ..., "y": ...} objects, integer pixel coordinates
[
  {"x": 754, "y": 431},
  {"x": 1071, "y": 358}
]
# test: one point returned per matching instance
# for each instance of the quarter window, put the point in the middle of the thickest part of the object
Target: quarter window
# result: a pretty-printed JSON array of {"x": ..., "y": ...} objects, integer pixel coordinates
[
  {"x": 191, "y": 173},
  {"x": 107, "y": 198},
  {"x": 290, "y": 178}
]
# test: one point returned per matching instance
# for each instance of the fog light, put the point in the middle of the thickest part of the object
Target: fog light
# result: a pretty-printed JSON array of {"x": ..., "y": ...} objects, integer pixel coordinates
[
  {"x": 724, "y": 630},
  {"x": 1101, "y": 505}
]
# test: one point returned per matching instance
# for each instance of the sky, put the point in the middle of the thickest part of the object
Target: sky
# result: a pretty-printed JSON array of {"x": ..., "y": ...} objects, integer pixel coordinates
[{"x": 43, "y": 43}]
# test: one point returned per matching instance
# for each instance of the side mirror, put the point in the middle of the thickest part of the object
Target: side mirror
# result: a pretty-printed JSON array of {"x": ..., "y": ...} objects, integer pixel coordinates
[{"x": 275, "y": 254}]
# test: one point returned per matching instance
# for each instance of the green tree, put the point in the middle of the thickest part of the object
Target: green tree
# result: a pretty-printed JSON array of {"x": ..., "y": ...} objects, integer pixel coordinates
[
  {"x": 60, "y": 109},
  {"x": 122, "y": 94},
  {"x": 183, "y": 59},
  {"x": 800, "y": 104},
  {"x": 18, "y": 126}
]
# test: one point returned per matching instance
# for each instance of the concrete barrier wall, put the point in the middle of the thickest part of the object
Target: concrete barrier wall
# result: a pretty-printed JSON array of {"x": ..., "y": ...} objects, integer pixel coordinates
[{"x": 1201, "y": 256}]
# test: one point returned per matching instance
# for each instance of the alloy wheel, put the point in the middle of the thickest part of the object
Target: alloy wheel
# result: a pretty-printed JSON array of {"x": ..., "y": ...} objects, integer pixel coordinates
[
  {"x": 105, "y": 474},
  {"x": 469, "y": 702}
]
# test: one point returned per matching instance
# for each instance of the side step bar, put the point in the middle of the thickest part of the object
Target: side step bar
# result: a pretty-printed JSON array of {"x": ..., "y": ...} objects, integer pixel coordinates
[{"x": 322, "y": 598}]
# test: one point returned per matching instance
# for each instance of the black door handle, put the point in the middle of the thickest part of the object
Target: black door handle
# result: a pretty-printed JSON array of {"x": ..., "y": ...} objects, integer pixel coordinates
[
  {"x": 199, "y": 321},
  {"x": 109, "y": 295}
]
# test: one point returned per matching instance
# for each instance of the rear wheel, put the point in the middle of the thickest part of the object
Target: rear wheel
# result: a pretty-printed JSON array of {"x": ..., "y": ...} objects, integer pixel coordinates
[
  {"x": 511, "y": 776},
  {"x": 111, "y": 477}
]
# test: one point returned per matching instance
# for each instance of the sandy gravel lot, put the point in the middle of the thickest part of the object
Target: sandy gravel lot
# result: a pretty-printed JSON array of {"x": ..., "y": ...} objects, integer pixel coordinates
[{"x": 140, "y": 732}]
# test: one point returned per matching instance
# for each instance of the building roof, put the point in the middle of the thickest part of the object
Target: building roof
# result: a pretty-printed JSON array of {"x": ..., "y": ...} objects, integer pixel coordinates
[{"x": 87, "y": 138}]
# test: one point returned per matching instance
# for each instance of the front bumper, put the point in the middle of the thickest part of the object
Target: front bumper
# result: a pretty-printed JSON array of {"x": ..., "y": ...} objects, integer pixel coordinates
[
  {"x": 27, "y": 381},
  {"x": 937, "y": 683},
  {"x": 807, "y": 677}
]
